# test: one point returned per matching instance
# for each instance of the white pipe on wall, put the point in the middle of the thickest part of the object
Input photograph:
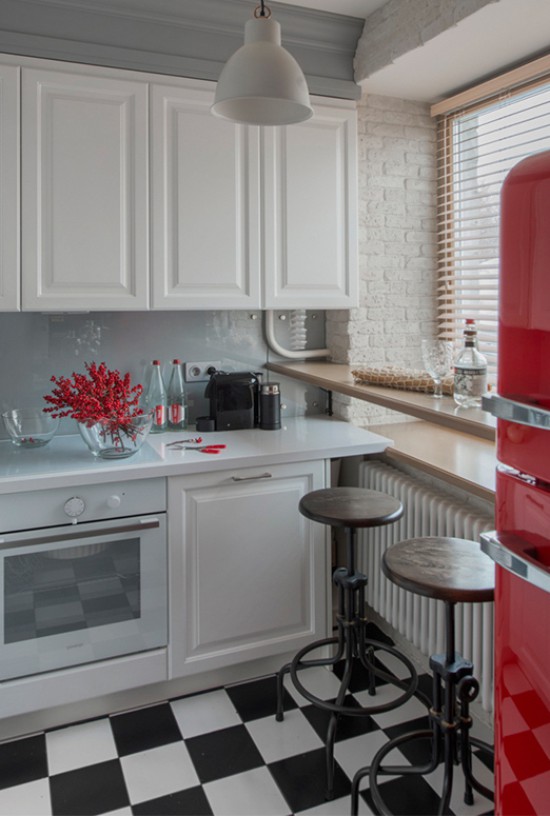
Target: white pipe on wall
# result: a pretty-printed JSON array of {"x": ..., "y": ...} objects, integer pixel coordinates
[{"x": 305, "y": 354}]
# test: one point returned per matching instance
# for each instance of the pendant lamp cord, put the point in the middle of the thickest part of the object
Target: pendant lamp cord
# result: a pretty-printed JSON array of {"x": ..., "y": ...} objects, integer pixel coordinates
[{"x": 262, "y": 10}]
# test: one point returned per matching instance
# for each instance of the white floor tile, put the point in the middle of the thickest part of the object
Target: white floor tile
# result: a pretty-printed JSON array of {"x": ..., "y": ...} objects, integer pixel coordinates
[
  {"x": 122, "y": 812},
  {"x": 394, "y": 665},
  {"x": 481, "y": 773},
  {"x": 80, "y": 745},
  {"x": 338, "y": 807},
  {"x": 158, "y": 772},
  {"x": 253, "y": 793},
  {"x": 277, "y": 740},
  {"x": 357, "y": 752},
  {"x": 320, "y": 681},
  {"x": 203, "y": 713},
  {"x": 30, "y": 799},
  {"x": 410, "y": 710}
]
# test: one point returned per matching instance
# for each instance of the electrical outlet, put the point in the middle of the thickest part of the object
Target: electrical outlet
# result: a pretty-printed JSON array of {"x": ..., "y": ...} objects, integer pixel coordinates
[{"x": 200, "y": 372}]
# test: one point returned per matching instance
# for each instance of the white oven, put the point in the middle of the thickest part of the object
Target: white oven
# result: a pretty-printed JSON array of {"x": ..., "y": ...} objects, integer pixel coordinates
[{"x": 83, "y": 575}]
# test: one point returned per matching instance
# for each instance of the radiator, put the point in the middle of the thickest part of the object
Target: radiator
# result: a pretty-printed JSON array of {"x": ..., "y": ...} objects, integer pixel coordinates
[{"x": 428, "y": 512}]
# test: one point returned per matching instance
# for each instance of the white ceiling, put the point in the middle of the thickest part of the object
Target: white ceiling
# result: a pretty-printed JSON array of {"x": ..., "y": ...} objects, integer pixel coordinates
[{"x": 497, "y": 37}]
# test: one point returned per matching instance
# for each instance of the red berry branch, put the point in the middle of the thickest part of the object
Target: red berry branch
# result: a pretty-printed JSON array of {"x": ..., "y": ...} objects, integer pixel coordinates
[{"x": 101, "y": 395}]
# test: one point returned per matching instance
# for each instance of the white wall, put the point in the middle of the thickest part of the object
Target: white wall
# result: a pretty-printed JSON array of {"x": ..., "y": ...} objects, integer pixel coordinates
[{"x": 397, "y": 245}]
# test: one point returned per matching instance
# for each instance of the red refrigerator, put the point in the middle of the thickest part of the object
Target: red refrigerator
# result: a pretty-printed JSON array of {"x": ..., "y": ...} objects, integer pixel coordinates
[{"x": 520, "y": 546}]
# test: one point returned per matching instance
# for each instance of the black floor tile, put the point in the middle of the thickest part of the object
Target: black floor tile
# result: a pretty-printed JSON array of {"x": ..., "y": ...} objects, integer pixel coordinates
[
  {"x": 417, "y": 751},
  {"x": 348, "y": 726},
  {"x": 23, "y": 760},
  {"x": 425, "y": 686},
  {"x": 301, "y": 780},
  {"x": 407, "y": 796},
  {"x": 258, "y": 698},
  {"x": 190, "y": 802},
  {"x": 144, "y": 729},
  {"x": 360, "y": 679},
  {"x": 88, "y": 791},
  {"x": 223, "y": 753}
]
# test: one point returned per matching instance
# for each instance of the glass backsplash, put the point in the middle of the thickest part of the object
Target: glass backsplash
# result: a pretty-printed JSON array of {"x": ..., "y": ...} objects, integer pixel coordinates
[{"x": 36, "y": 346}]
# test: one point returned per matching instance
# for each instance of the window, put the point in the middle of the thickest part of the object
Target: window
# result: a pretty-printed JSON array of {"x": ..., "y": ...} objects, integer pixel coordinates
[{"x": 481, "y": 136}]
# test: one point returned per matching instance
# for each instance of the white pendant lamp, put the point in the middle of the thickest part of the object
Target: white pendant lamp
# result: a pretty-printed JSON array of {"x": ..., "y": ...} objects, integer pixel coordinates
[{"x": 262, "y": 84}]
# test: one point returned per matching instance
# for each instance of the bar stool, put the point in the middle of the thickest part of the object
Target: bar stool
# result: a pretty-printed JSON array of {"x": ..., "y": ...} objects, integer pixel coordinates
[
  {"x": 451, "y": 570},
  {"x": 350, "y": 508}
]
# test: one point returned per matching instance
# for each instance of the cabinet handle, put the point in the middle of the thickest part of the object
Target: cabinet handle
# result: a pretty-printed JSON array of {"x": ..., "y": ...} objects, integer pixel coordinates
[{"x": 248, "y": 478}]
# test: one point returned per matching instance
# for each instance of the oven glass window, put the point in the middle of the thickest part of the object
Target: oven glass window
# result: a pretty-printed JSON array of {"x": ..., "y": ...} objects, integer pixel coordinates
[{"x": 62, "y": 590}]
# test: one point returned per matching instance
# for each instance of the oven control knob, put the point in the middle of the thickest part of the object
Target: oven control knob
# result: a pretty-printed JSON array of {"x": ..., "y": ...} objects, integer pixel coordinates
[
  {"x": 114, "y": 501},
  {"x": 74, "y": 507}
]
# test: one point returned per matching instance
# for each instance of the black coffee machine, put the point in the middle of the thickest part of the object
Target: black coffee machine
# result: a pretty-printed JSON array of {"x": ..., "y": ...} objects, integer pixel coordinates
[{"x": 234, "y": 400}]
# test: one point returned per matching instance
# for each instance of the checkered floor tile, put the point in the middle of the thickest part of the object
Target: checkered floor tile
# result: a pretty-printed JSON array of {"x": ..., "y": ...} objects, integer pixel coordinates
[{"x": 221, "y": 753}]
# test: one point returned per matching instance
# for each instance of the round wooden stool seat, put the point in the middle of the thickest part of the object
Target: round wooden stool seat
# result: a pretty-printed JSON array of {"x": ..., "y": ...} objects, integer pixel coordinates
[
  {"x": 350, "y": 507},
  {"x": 448, "y": 569}
]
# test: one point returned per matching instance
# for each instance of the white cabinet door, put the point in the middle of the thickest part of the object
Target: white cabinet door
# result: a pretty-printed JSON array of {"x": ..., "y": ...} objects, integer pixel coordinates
[
  {"x": 248, "y": 573},
  {"x": 205, "y": 204},
  {"x": 9, "y": 189},
  {"x": 85, "y": 207},
  {"x": 310, "y": 200}
]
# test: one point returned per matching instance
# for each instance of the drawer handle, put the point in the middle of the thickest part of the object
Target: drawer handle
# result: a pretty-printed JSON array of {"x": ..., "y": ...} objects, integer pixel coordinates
[{"x": 248, "y": 478}]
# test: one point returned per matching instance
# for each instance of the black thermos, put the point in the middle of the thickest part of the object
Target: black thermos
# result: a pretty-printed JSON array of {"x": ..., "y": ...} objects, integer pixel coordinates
[{"x": 270, "y": 406}]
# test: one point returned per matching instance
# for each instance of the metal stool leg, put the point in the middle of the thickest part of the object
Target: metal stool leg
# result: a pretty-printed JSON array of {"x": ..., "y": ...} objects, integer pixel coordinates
[
  {"x": 453, "y": 684},
  {"x": 351, "y": 645}
]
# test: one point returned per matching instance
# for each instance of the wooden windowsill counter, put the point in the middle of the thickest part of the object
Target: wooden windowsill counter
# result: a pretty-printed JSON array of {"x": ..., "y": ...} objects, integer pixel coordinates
[
  {"x": 454, "y": 444},
  {"x": 337, "y": 377},
  {"x": 459, "y": 459}
]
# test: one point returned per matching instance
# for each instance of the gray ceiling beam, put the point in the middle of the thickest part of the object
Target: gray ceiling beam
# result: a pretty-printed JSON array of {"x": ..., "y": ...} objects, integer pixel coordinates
[{"x": 178, "y": 37}]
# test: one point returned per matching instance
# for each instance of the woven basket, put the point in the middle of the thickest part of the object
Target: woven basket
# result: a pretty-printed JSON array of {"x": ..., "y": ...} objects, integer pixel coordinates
[{"x": 398, "y": 377}]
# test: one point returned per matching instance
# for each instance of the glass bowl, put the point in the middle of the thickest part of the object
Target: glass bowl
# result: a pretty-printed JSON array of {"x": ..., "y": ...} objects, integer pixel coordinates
[
  {"x": 30, "y": 427},
  {"x": 109, "y": 440}
]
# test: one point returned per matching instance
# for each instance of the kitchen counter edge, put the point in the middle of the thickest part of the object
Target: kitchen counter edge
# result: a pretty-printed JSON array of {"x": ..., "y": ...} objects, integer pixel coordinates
[{"x": 67, "y": 463}]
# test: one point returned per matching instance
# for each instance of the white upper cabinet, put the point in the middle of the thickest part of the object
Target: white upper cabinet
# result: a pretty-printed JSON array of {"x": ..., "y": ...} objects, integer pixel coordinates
[
  {"x": 9, "y": 188},
  {"x": 310, "y": 205},
  {"x": 84, "y": 191},
  {"x": 241, "y": 224},
  {"x": 134, "y": 196},
  {"x": 205, "y": 204}
]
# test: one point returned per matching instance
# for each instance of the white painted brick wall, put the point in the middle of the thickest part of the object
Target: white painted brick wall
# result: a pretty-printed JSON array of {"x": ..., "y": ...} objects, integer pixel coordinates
[{"x": 397, "y": 245}]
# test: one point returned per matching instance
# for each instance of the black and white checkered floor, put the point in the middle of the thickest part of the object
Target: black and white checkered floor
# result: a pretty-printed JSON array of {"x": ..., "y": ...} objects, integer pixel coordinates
[{"x": 220, "y": 752}]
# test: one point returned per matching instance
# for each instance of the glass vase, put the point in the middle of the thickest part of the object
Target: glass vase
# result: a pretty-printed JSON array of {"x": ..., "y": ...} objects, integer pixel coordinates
[{"x": 108, "y": 440}]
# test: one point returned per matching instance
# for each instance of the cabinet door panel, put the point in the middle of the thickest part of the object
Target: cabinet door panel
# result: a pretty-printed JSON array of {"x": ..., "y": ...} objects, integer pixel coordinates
[
  {"x": 85, "y": 217},
  {"x": 205, "y": 210},
  {"x": 9, "y": 188},
  {"x": 311, "y": 212},
  {"x": 254, "y": 581}
]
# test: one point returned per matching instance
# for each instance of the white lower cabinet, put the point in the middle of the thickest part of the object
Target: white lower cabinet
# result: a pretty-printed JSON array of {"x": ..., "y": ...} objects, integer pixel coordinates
[{"x": 248, "y": 573}]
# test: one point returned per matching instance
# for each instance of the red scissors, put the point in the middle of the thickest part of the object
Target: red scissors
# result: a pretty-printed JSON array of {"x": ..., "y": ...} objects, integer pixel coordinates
[{"x": 204, "y": 448}]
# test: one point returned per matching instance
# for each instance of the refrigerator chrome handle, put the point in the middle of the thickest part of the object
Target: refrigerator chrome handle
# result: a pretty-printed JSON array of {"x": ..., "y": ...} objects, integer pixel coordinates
[
  {"x": 498, "y": 547},
  {"x": 514, "y": 411}
]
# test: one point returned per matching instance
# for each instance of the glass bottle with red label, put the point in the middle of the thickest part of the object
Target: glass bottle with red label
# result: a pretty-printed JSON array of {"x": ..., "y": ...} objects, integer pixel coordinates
[
  {"x": 157, "y": 399},
  {"x": 177, "y": 409}
]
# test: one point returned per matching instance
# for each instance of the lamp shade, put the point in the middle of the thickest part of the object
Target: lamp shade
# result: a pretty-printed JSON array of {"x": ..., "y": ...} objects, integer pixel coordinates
[{"x": 262, "y": 84}]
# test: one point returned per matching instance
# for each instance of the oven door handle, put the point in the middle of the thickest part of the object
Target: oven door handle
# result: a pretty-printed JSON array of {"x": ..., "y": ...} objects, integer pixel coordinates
[{"x": 144, "y": 524}]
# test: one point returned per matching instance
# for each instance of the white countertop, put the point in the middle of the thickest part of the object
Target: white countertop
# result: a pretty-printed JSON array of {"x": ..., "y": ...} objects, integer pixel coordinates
[{"x": 66, "y": 461}]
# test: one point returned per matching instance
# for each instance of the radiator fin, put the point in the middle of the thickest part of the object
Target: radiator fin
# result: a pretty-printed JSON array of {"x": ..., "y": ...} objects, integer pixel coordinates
[{"x": 428, "y": 512}]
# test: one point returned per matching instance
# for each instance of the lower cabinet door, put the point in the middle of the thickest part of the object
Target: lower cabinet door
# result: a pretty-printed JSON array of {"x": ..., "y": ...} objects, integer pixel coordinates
[{"x": 248, "y": 576}]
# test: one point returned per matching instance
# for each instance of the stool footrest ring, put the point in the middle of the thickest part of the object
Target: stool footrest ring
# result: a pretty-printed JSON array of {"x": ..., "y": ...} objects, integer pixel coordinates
[{"x": 409, "y": 686}]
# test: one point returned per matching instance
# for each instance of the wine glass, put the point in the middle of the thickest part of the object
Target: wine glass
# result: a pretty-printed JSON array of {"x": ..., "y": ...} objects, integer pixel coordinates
[{"x": 437, "y": 356}]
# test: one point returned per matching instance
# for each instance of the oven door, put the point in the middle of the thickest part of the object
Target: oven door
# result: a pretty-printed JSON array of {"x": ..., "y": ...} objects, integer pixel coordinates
[{"x": 81, "y": 593}]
